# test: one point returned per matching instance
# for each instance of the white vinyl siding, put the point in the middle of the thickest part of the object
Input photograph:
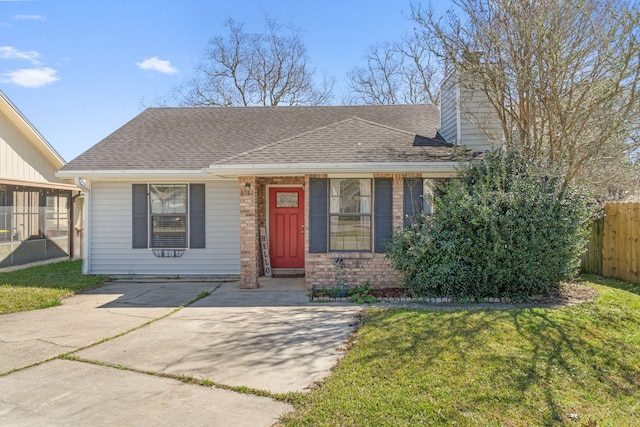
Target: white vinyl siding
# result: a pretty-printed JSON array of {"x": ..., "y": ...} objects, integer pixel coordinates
[
  {"x": 111, "y": 237},
  {"x": 467, "y": 117},
  {"x": 19, "y": 159},
  {"x": 479, "y": 125},
  {"x": 448, "y": 109}
]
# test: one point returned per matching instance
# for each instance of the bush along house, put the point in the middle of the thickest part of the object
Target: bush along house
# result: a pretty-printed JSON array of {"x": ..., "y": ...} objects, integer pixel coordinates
[{"x": 193, "y": 191}]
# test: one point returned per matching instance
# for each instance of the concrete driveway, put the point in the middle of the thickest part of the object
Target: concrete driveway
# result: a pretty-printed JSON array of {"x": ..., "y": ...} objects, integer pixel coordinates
[{"x": 128, "y": 344}]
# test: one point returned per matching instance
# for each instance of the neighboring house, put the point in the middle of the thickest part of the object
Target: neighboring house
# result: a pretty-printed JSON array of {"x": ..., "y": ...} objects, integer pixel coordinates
[
  {"x": 36, "y": 207},
  {"x": 185, "y": 191}
]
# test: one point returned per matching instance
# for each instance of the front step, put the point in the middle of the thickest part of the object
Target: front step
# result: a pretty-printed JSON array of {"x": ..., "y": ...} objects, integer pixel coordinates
[{"x": 287, "y": 272}]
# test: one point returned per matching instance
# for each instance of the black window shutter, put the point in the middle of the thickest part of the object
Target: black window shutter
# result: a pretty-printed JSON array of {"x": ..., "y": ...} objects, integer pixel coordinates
[
  {"x": 196, "y": 216},
  {"x": 413, "y": 203},
  {"x": 318, "y": 214},
  {"x": 382, "y": 213},
  {"x": 140, "y": 217}
]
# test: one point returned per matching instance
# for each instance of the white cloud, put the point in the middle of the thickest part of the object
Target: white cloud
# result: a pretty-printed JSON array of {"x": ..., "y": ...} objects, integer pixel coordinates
[
  {"x": 29, "y": 18},
  {"x": 8, "y": 52},
  {"x": 156, "y": 64},
  {"x": 31, "y": 77}
]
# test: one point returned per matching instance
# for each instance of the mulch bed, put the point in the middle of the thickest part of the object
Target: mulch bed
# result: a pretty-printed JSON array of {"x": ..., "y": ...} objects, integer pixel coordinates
[
  {"x": 571, "y": 293},
  {"x": 389, "y": 293}
]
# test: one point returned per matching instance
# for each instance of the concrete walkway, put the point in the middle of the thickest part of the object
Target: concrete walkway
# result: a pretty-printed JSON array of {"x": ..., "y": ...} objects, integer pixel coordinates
[{"x": 270, "y": 339}]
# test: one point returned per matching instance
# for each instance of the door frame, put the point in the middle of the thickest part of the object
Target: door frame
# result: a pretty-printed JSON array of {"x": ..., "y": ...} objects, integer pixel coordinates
[{"x": 268, "y": 211}]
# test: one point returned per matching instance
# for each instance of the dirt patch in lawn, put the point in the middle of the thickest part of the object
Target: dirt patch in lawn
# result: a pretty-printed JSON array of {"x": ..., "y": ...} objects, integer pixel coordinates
[{"x": 571, "y": 293}]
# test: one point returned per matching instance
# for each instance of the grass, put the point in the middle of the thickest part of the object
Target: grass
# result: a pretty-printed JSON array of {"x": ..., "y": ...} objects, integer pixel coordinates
[
  {"x": 575, "y": 365},
  {"x": 43, "y": 286}
]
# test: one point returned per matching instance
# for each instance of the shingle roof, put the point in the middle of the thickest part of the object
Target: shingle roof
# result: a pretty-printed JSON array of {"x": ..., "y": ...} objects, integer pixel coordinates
[
  {"x": 195, "y": 138},
  {"x": 348, "y": 141}
]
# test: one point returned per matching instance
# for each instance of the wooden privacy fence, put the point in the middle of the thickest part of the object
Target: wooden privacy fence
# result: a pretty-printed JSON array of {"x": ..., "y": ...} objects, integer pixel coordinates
[
  {"x": 592, "y": 258},
  {"x": 614, "y": 248}
]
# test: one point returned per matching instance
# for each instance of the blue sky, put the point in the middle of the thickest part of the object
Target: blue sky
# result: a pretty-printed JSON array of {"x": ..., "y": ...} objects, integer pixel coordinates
[{"x": 78, "y": 70}]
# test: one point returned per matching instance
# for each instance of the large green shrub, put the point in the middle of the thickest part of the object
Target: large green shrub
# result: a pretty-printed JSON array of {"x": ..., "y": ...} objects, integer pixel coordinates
[{"x": 507, "y": 228}]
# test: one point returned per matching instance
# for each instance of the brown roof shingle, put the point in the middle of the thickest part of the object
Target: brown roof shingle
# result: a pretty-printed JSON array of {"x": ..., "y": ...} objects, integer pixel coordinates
[
  {"x": 348, "y": 141},
  {"x": 194, "y": 138}
]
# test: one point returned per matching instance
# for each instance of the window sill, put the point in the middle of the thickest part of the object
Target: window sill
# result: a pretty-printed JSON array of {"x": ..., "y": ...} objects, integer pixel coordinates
[{"x": 351, "y": 254}]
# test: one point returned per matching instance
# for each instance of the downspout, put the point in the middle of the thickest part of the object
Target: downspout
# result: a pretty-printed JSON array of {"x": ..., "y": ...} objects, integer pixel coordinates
[
  {"x": 71, "y": 222},
  {"x": 87, "y": 222}
]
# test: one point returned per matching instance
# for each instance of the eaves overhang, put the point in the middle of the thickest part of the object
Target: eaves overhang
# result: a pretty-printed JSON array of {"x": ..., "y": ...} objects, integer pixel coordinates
[
  {"x": 129, "y": 174},
  {"x": 322, "y": 168},
  {"x": 37, "y": 184},
  {"x": 277, "y": 169}
]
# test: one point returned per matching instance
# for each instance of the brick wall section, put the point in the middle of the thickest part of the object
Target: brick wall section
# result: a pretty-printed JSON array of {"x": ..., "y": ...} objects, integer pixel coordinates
[
  {"x": 320, "y": 269},
  {"x": 249, "y": 233}
]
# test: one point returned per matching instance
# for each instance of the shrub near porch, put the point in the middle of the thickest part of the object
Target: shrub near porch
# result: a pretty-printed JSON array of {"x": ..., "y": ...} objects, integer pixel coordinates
[{"x": 509, "y": 228}]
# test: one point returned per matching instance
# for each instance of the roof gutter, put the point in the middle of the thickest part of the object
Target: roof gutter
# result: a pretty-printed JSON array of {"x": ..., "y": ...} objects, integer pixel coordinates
[
  {"x": 310, "y": 168},
  {"x": 128, "y": 174},
  {"x": 227, "y": 171}
]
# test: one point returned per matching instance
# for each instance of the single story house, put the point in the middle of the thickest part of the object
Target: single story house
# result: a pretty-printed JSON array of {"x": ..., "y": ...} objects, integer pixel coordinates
[
  {"x": 36, "y": 208},
  {"x": 220, "y": 191}
]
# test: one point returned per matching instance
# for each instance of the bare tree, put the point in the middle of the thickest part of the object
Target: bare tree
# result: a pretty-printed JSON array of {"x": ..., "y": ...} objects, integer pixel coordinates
[
  {"x": 563, "y": 76},
  {"x": 396, "y": 73},
  {"x": 242, "y": 69}
]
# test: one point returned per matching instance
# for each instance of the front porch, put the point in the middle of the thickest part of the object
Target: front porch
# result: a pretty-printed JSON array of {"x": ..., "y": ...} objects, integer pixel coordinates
[
  {"x": 259, "y": 196},
  {"x": 255, "y": 207},
  {"x": 282, "y": 284}
]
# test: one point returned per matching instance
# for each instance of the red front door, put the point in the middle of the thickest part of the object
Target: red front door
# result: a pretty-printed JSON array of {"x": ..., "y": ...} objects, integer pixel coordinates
[{"x": 286, "y": 227}]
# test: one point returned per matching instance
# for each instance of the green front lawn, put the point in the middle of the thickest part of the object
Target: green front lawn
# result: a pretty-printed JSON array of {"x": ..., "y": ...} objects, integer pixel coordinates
[
  {"x": 42, "y": 286},
  {"x": 575, "y": 365}
]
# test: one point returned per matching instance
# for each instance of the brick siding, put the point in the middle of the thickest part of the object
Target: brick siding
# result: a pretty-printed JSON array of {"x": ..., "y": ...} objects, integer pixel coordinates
[
  {"x": 253, "y": 215},
  {"x": 249, "y": 233},
  {"x": 320, "y": 269}
]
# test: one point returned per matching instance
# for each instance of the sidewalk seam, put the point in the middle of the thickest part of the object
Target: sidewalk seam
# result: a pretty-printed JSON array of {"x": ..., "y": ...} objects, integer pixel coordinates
[
  {"x": 68, "y": 354},
  {"x": 289, "y": 397}
]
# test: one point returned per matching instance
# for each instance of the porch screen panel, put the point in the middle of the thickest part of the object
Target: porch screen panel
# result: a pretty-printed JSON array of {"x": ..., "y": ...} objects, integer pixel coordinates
[
  {"x": 26, "y": 214},
  {"x": 6, "y": 204},
  {"x": 318, "y": 214},
  {"x": 57, "y": 211}
]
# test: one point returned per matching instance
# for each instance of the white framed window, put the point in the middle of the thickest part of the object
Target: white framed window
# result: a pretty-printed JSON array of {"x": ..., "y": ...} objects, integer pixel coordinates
[
  {"x": 432, "y": 188},
  {"x": 168, "y": 216},
  {"x": 350, "y": 214},
  {"x": 428, "y": 190},
  {"x": 168, "y": 213}
]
